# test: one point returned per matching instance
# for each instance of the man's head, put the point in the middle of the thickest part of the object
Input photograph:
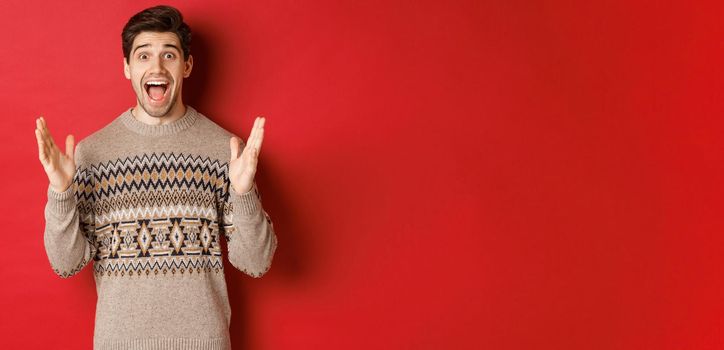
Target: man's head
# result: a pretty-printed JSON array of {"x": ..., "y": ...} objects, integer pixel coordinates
[{"x": 156, "y": 58}]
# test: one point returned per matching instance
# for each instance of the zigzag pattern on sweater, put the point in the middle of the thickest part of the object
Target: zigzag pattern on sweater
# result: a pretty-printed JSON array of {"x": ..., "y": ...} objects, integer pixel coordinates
[
  {"x": 155, "y": 171},
  {"x": 155, "y": 213},
  {"x": 155, "y": 204},
  {"x": 153, "y": 267}
]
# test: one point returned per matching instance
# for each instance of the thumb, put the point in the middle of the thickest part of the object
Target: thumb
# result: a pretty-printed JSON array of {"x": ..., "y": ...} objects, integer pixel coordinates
[
  {"x": 69, "y": 142},
  {"x": 234, "y": 145}
]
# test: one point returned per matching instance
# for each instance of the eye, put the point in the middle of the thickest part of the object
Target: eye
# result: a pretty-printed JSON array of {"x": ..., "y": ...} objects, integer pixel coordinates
[
  {"x": 169, "y": 55},
  {"x": 142, "y": 56}
]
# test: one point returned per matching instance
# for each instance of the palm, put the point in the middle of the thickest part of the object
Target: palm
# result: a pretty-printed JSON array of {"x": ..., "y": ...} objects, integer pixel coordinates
[
  {"x": 59, "y": 166},
  {"x": 242, "y": 168}
]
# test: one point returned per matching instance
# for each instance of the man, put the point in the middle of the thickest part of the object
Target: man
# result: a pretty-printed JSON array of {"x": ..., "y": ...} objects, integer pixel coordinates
[{"x": 147, "y": 198}]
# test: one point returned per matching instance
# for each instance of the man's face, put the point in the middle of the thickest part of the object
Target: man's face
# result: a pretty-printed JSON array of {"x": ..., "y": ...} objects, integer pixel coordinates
[{"x": 156, "y": 68}]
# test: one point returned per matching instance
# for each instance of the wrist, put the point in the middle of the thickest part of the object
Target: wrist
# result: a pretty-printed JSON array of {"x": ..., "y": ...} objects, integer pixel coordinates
[
  {"x": 246, "y": 203},
  {"x": 59, "y": 189},
  {"x": 241, "y": 190}
]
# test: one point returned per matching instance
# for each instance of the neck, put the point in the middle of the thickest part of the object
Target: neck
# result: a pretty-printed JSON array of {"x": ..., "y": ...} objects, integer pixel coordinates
[
  {"x": 180, "y": 124},
  {"x": 175, "y": 113}
]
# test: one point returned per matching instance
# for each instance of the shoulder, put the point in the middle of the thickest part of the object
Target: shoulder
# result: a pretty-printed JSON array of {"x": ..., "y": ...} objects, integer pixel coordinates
[
  {"x": 215, "y": 136},
  {"x": 84, "y": 149},
  {"x": 211, "y": 127}
]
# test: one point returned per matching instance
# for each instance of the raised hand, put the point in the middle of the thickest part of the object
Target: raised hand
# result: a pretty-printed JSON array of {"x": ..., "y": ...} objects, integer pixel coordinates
[
  {"x": 60, "y": 167},
  {"x": 243, "y": 168}
]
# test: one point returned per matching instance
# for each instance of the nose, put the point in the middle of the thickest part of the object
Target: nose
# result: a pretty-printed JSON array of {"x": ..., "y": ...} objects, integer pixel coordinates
[{"x": 156, "y": 65}]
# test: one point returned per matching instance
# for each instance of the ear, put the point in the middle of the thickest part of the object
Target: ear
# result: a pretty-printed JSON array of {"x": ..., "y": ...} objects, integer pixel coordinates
[
  {"x": 126, "y": 72},
  {"x": 188, "y": 65}
]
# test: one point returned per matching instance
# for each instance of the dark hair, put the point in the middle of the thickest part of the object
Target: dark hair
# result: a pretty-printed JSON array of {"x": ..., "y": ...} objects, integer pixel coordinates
[{"x": 160, "y": 18}]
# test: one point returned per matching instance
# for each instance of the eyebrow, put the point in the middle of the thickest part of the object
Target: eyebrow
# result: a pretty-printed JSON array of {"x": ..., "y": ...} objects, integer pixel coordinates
[{"x": 148, "y": 45}]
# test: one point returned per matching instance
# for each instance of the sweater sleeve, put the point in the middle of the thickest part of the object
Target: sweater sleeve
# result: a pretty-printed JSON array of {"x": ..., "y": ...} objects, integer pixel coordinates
[
  {"x": 248, "y": 230},
  {"x": 69, "y": 226}
]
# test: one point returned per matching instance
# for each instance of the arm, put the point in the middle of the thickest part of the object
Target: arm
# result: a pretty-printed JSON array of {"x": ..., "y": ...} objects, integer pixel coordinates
[
  {"x": 69, "y": 221},
  {"x": 69, "y": 226},
  {"x": 248, "y": 230}
]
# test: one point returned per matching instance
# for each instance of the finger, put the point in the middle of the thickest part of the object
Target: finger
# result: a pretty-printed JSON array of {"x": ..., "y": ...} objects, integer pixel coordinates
[
  {"x": 254, "y": 137},
  {"x": 69, "y": 141},
  {"x": 245, "y": 149},
  {"x": 41, "y": 127},
  {"x": 41, "y": 146},
  {"x": 254, "y": 159},
  {"x": 48, "y": 137},
  {"x": 38, "y": 137},
  {"x": 258, "y": 140},
  {"x": 234, "y": 146},
  {"x": 42, "y": 140},
  {"x": 259, "y": 137},
  {"x": 252, "y": 134},
  {"x": 250, "y": 160}
]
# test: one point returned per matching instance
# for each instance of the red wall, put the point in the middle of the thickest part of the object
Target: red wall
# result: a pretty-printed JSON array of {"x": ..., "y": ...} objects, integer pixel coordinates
[{"x": 500, "y": 175}]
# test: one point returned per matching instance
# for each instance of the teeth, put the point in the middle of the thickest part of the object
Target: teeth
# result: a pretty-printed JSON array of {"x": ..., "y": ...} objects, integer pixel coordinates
[{"x": 156, "y": 83}]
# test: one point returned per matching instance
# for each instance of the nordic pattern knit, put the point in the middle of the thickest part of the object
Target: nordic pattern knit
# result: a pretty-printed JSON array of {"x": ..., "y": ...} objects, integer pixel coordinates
[{"x": 148, "y": 206}]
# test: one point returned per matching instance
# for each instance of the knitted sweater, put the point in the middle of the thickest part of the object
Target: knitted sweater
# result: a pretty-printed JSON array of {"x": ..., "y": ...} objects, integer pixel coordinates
[{"x": 148, "y": 205}]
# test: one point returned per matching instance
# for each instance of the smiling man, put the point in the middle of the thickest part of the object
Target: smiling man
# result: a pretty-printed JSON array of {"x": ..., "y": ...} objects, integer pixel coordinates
[
  {"x": 157, "y": 81},
  {"x": 148, "y": 197}
]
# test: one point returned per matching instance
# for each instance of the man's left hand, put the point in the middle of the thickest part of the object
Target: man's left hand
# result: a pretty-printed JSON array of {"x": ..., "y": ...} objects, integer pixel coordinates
[{"x": 242, "y": 168}]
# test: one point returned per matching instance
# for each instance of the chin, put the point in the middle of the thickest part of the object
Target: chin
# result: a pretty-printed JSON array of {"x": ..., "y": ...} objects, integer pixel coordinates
[{"x": 157, "y": 111}]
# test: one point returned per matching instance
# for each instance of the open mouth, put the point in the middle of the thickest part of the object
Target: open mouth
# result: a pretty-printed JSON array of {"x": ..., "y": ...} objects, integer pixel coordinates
[{"x": 156, "y": 90}]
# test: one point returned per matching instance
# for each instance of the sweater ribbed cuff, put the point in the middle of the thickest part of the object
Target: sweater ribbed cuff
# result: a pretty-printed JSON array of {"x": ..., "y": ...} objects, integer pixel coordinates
[
  {"x": 61, "y": 202},
  {"x": 248, "y": 202},
  {"x": 163, "y": 344}
]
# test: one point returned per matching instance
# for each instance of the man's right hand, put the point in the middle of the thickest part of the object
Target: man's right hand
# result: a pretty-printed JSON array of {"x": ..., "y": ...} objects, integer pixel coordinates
[{"x": 59, "y": 167}]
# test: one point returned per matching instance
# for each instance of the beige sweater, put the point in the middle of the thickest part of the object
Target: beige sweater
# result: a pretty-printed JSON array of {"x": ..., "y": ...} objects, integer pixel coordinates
[{"x": 148, "y": 205}]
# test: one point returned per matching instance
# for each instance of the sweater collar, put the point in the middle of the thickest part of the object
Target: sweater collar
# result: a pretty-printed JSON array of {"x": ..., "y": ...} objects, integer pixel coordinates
[{"x": 174, "y": 127}]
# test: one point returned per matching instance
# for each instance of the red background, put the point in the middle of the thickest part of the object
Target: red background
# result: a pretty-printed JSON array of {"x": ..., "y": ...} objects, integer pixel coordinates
[{"x": 462, "y": 175}]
